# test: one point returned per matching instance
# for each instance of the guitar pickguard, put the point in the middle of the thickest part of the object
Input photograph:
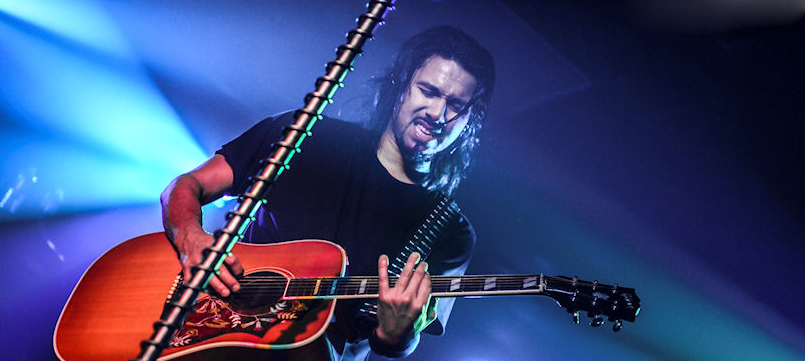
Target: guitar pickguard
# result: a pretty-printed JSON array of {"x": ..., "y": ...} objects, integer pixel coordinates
[{"x": 213, "y": 316}]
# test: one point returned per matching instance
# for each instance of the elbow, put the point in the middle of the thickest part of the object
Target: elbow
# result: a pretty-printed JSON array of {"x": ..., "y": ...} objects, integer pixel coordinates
[
  {"x": 182, "y": 183},
  {"x": 164, "y": 197}
]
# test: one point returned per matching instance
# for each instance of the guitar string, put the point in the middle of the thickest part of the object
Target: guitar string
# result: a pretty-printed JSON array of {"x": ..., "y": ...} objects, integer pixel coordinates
[
  {"x": 306, "y": 285},
  {"x": 329, "y": 283},
  {"x": 263, "y": 281},
  {"x": 466, "y": 277},
  {"x": 354, "y": 281},
  {"x": 603, "y": 306},
  {"x": 301, "y": 285},
  {"x": 349, "y": 286},
  {"x": 374, "y": 282}
]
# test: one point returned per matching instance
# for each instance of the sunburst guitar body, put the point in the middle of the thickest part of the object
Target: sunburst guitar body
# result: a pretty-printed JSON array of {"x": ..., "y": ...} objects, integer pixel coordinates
[{"x": 114, "y": 305}]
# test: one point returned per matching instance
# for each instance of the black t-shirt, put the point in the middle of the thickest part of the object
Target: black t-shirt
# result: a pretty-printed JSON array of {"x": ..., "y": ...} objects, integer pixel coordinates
[{"x": 336, "y": 189}]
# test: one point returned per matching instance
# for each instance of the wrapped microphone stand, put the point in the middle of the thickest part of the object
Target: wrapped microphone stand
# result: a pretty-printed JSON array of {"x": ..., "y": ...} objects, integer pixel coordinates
[{"x": 271, "y": 167}]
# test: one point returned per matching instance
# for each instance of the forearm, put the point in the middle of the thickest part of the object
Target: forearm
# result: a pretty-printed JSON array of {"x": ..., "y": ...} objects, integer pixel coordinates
[
  {"x": 181, "y": 208},
  {"x": 184, "y": 196}
]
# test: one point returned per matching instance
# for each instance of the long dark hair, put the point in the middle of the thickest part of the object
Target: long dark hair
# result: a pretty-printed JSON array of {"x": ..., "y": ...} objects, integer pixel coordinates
[{"x": 451, "y": 165}]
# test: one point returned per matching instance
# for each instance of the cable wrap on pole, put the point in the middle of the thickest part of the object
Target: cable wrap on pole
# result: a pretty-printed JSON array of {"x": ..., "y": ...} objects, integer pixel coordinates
[{"x": 249, "y": 202}]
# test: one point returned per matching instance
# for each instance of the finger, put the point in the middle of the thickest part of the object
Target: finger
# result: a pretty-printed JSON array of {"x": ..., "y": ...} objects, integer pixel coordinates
[
  {"x": 234, "y": 265},
  {"x": 187, "y": 267},
  {"x": 215, "y": 283},
  {"x": 229, "y": 281},
  {"x": 412, "y": 288},
  {"x": 218, "y": 286},
  {"x": 383, "y": 274},
  {"x": 186, "y": 275},
  {"x": 423, "y": 292},
  {"x": 405, "y": 275}
]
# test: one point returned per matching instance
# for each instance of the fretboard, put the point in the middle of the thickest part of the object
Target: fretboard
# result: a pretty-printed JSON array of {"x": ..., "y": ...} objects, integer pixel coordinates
[{"x": 441, "y": 286}]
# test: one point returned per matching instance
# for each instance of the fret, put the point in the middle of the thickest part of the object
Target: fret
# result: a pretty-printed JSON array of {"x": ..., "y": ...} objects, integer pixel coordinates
[
  {"x": 529, "y": 282},
  {"x": 316, "y": 288},
  {"x": 455, "y": 284},
  {"x": 490, "y": 283},
  {"x": 362, "y": 290}
]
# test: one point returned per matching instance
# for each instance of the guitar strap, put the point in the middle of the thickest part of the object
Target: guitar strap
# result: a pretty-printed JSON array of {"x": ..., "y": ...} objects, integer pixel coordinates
[
  {"x": 425, "y": 236},
  {"x": 422, "y": 240}
]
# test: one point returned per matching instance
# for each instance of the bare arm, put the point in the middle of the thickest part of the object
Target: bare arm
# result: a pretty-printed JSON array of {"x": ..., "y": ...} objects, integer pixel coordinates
[{"x": 181, "y": 216}]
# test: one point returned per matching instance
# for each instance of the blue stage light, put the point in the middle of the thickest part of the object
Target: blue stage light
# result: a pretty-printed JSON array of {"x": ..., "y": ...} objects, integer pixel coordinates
[
  {"x": 78, "y": 21},
  {"x": 81, "y": 116}
]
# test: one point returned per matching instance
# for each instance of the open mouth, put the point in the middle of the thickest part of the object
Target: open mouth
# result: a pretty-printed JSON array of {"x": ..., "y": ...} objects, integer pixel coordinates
[
  {"x": 426, "y": 129},
  {"x": 423, "y": 129}
]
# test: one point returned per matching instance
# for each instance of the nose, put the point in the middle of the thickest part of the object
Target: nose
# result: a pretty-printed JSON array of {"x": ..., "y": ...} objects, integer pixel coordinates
[{"x": 436, "y": 111}]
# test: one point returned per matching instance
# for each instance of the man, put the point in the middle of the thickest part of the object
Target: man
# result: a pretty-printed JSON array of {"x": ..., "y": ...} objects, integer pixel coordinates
[{"x": 363, "y": 189}]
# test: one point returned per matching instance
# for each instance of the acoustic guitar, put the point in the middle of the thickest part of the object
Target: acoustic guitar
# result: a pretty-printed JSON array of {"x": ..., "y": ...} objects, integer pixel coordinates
[{"x": 287, "y": 299}]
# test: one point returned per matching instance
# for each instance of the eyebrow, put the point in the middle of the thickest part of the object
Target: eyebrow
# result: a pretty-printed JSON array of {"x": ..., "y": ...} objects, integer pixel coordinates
[{"x": 463, "y": 103}]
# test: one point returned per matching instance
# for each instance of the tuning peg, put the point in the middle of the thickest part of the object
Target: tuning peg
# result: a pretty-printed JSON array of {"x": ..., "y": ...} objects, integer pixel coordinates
[
  {"x": 617, "y": 326},
  {"x": 597, "y": 321},
  {"x": 576, "y": 317}
]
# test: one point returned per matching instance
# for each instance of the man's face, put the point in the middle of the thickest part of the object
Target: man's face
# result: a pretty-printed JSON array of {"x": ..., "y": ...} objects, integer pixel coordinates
[{"x": 427, "y": 120}]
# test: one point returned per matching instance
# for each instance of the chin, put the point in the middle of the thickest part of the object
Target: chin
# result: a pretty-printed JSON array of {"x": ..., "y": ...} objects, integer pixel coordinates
[{"x": 416, "y": 157}]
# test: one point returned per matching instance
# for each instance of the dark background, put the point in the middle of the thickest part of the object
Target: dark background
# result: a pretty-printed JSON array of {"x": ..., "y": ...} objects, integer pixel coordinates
[{"x": 627, "y": 142}]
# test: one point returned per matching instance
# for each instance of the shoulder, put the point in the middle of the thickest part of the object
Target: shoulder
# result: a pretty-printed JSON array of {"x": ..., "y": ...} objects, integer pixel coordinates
[
  {"x": 269, "y": 126},
  {"x": 334, "y": 137},
  {"x": 326, "y": 128},
  {"x": 337, "y": 126}
]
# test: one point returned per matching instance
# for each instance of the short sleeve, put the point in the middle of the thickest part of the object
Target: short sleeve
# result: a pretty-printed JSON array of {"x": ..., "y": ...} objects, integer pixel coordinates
[{"x": 244, "y": 152}]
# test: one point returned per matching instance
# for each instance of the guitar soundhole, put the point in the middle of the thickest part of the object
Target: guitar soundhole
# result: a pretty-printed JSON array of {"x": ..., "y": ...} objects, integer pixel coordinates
[{"x": 258, "y": 290}]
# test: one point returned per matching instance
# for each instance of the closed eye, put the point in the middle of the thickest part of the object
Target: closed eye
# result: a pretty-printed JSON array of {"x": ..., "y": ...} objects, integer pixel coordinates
[
  {"x": 430, "y": 93},
  {"x": 456, "y": 107}
]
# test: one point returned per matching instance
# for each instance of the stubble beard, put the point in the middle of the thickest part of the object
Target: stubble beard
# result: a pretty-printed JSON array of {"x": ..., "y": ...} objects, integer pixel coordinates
[{"x": 415, "y": 160}]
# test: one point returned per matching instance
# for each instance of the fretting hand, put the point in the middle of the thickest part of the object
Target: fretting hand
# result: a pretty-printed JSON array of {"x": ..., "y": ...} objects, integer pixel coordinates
[{"x": 404, "y": 310}]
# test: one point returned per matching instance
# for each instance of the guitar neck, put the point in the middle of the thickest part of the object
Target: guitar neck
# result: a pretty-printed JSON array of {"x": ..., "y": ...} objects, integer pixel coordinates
[
  {"x": 617, "y": 303},
  {"x": 441, "y": 286}
]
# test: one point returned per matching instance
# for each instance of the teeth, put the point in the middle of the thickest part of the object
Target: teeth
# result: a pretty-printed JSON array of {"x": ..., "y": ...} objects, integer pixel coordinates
[{"x": 424, "y": 130}]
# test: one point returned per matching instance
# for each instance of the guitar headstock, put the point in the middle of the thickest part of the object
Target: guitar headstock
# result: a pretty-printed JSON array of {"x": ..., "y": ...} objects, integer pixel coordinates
[{"x": 598, "y": 300}]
